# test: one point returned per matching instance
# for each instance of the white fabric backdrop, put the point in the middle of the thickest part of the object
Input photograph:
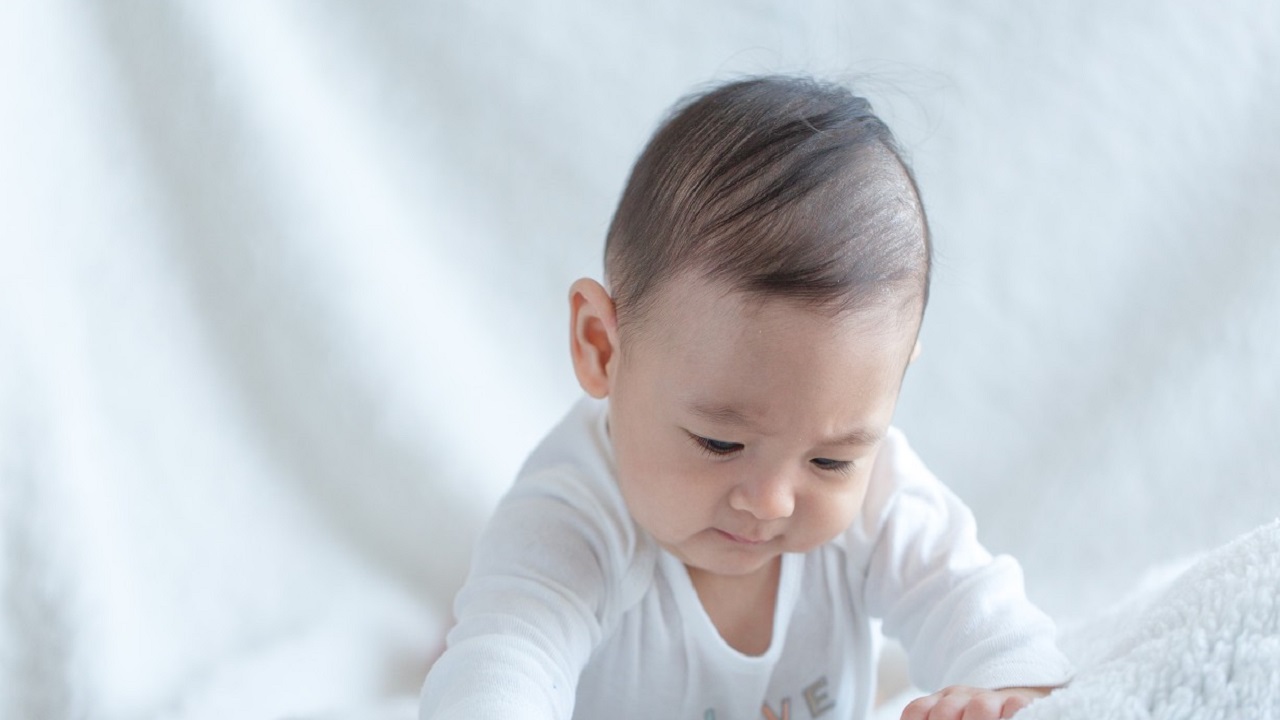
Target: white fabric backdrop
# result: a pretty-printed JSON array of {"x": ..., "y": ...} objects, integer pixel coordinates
[{"x": 282, "y": 302}]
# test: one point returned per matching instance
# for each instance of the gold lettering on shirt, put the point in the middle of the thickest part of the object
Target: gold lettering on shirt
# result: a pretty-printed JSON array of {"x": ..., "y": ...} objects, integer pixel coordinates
[
  {"x": 816, "y": 697},
  {"x": 769, "y": 714}
]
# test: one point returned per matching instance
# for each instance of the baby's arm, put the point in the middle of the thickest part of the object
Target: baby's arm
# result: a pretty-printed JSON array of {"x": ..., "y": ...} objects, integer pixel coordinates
[
  {"x": 528, "y": 616},
  {"x": 962, "y": 615}
]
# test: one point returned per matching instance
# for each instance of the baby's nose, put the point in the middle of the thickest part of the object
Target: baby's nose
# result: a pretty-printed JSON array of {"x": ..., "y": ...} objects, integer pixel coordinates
[{"x": 770, "y": 497}]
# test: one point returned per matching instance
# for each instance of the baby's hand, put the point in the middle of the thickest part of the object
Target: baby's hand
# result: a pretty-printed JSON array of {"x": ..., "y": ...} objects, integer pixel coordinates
[{"x": 968, "y": 703}]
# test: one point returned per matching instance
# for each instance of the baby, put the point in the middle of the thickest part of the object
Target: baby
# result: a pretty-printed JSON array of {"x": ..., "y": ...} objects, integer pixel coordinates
[{"x": 711, "y": 533}]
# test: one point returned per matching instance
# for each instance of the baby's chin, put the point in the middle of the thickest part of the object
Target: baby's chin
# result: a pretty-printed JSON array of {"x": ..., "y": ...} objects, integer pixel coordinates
[{"x": 721, "y": 556}]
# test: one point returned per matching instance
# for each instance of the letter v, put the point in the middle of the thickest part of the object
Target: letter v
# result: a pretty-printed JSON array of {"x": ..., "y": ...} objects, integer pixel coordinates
[{"x": 769, "y": 714}]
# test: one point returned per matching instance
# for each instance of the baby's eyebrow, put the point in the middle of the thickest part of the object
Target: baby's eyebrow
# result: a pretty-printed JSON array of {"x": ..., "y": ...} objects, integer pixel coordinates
[
  {"x": 860, "y": 436},
  {"x": 720, "y": 414}
]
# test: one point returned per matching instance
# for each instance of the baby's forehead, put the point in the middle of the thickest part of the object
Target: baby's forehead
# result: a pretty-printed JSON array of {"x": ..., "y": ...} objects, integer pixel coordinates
[{"x": 714, "y": 346}]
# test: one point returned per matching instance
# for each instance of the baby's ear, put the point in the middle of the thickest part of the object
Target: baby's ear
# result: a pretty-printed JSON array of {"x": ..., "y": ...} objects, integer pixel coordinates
[
  {"x": 593, "y": 336},
  {"x": 915, "y": 352}
]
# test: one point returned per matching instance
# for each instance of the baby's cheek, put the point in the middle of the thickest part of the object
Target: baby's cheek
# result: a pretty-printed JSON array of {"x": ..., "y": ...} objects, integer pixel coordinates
[
  {"x": 830, "y": 515},
  {"x": 668, "y": 505}
]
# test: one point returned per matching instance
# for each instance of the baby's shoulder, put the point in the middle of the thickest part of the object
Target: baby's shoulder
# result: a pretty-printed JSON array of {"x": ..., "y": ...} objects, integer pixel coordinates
[
  {"x": 573, "y": 467},
  {"x": 565, "y": 515},
  {"x": 904, "y": 501},
  {"x": 898, "y": 472}
]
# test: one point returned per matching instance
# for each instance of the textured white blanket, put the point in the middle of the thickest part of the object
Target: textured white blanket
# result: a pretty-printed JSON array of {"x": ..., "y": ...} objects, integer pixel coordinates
[{"x": 1208, "y": 647}]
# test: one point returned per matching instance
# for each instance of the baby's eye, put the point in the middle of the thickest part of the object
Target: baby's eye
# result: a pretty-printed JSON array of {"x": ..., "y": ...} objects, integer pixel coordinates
[
  {"x": 716, "y": 447},
  {"x": 833, "y": 465}
]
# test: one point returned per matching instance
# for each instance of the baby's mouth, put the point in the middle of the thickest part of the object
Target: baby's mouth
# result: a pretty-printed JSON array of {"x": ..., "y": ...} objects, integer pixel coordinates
[{"x": 742, "y": 540}]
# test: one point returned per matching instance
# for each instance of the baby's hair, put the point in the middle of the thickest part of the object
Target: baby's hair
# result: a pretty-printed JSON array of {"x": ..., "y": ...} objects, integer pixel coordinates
[{"x": 780, "y": 187}]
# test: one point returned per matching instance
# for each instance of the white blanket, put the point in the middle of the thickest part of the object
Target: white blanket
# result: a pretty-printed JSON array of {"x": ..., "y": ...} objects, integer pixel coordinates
[
  {"x": 1195, "y": 639},
  {"x": 1208, "y": 647}
]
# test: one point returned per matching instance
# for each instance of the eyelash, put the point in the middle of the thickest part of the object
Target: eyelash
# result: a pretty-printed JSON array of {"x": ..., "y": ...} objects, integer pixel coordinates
[
  {"x": 715, "y": 448},
  {"x": 840, "y": 466},
  {"x": 721, "y": 449}
]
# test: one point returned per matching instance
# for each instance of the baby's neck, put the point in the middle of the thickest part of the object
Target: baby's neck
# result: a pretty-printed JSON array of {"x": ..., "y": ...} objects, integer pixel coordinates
[{"x": 741, "y": 606}]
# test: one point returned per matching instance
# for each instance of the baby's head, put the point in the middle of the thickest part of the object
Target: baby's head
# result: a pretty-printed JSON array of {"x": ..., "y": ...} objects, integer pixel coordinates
[
  {"x": 779, "y": 188},
  {"x": 768, "y": 267}
]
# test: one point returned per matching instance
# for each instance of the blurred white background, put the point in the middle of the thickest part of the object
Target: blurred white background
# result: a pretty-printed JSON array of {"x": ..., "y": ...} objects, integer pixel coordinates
[{"x": 282, "y": 303}]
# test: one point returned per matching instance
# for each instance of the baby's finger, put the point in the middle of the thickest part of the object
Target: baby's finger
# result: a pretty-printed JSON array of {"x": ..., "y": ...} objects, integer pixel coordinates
[
  {"x": 983, "y": 706},
  {"x": 919, "y": 708},
  {"x": 1012, "y": 705},
  {"x": 951, "y": 706}
]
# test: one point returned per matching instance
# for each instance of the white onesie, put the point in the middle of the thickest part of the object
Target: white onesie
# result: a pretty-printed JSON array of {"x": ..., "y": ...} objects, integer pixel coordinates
[{"x": 573, "y": 611}]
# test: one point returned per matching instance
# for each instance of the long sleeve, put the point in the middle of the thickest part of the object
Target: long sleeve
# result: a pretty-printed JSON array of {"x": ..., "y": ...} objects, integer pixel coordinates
[
  {"x": 527, "y": 617},
  {"x": 557, "y": 565},
  {"x": 962, "y": 615}
]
